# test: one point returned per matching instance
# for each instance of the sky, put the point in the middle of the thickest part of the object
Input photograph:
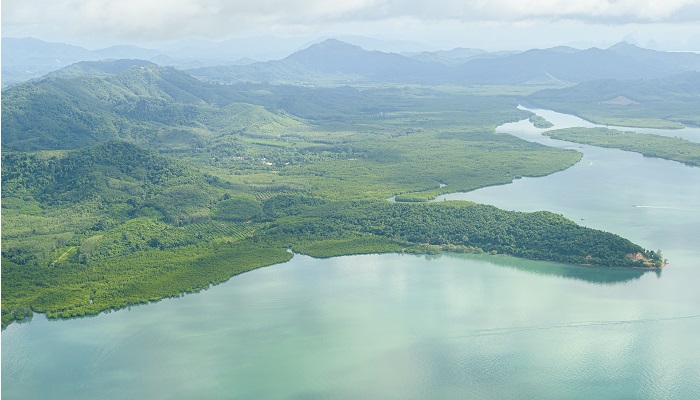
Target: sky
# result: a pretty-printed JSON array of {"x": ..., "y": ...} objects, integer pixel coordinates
[{"x": 435, "y": 24}]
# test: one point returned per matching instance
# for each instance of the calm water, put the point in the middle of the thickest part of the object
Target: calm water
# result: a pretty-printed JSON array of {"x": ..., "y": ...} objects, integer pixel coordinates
[{"x": 415, "y": 327}]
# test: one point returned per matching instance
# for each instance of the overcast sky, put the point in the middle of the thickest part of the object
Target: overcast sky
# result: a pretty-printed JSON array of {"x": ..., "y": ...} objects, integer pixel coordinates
[{"x": 489, "y": 24}]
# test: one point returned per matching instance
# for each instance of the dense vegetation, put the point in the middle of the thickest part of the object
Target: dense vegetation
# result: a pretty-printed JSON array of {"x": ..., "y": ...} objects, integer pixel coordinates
[
  {"x": 145, "y": 183},
  {"x": 459, "y": 226},
  {"x": 670, "y": 148},
  {"x": 540, "y": 122}
]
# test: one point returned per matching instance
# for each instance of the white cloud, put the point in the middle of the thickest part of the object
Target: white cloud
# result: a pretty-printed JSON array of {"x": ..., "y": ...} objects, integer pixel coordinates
[
  {"x": 165, "y": 18},
  {"x": 620, "y": 11},
  {"x": 144, "y": 20}
]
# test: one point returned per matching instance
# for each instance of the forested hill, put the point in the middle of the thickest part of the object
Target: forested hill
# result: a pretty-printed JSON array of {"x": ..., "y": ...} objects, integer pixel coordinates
[
  {"x": 30, "y": 58},
  {"x": 89, "y": 103},
  {"x": 122, "y": 180},
  {"x": 668, "y": 102}
]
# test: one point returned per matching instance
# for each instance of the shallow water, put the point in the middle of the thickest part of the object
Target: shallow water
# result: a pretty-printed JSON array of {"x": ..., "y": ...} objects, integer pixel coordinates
[{"x": 415, "y": 327}]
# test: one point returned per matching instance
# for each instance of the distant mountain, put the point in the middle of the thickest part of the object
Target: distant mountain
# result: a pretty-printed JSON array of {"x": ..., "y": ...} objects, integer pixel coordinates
[
  {"x": 332, "y": 56},
  {"x": 673, "y": 98},
  {"x": 28, "y": 58},
  {"x": 125, "y": 51},
  {"x": 564, "y": 49},
  {"x": 105, "y": 67},
  {"x": 449, "y": 57},
  {"x": 675, "y": 61},
  {"x": 685, "y": 86},
  {"x": 460, "y": 53},
  {"x": 572, "y": 65},
  {"x": 333, "y": 61},
  {"x": 330, "y": 61},
  {"x": 385, "y": 45},
  {"x": 336, "y": 62}
]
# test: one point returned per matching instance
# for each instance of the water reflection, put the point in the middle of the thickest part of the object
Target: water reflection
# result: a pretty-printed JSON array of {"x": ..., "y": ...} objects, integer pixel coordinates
[{"x": 595, "y": 275}]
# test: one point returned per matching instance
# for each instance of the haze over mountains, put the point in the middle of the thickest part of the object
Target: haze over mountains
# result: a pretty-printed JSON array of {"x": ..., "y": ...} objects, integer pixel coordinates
[
  {"x": 335, "y": 62},
  {"x": 339, "y": 62},
  {"x": 28, "y": 58},
  {"x": 113, "y": 98}
]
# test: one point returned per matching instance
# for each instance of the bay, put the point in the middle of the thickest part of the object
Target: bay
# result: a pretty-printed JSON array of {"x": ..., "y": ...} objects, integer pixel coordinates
[{"x": 416, "y": 327}]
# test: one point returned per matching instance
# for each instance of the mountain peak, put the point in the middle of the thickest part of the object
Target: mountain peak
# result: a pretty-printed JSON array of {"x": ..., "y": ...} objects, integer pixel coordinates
[
  {"x": 335, "y": 42},
  {"x": 104, "y": 67},
  {"x": 627, "y": 48},
  {"x": 623, "y": 45},
  {"x": 331, "y": 44},
  {"x": 328, "y": 49}
]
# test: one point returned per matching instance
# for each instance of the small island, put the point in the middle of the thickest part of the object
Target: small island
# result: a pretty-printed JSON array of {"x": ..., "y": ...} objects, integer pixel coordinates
[{"x": 540, "y": 122}]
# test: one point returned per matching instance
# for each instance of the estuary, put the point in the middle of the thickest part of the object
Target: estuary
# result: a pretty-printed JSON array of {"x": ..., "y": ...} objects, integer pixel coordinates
[{"x": 416, "y": 327}]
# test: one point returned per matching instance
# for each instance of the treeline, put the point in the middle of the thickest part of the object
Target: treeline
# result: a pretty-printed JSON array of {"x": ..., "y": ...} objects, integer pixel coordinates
[
  {"x": 145, "y": 259},
  {"x": 649, "y": 145},
  {"x": 71, "y": 288},
  {"x": 539, "y": 235}
]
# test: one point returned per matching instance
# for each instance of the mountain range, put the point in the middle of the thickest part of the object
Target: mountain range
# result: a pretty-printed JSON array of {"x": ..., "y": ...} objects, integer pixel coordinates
[{"x": 333, "y": 62}]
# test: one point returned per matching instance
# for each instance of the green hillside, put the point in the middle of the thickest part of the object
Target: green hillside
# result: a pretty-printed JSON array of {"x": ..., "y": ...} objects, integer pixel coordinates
[{"x": 141, "y": 103}]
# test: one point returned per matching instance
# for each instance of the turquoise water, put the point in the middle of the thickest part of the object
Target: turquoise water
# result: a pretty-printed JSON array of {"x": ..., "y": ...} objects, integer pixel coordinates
[{"x": 415, "y": 327}]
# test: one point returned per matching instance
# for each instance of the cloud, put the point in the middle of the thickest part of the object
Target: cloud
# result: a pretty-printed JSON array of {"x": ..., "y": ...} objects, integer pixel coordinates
[
  {"x": 160, "y": 19},
  {"x": 172, "y": 19},
  {"x": 609, "y": 11}
]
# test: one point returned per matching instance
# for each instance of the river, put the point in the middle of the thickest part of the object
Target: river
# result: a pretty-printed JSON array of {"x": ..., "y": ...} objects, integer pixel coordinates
[{"x": 416, "y": 327}]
